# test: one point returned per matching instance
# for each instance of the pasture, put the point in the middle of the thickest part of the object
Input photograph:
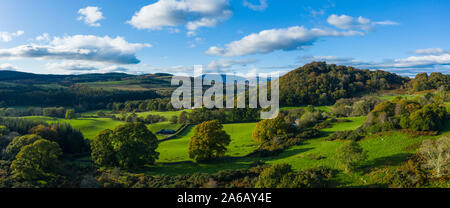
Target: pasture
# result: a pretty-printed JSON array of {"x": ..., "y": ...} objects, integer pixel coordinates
[{"x": 175, "y": 150}]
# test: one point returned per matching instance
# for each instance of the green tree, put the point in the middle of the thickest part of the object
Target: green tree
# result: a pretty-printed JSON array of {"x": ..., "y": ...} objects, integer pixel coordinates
[
  {"x": 351, "y": 154},
  {"x": 130, "y": 145},
  {"x": 267, "y": 129},
  {"x": 70, "y": 114},
  {"x": 37, "y": 161},
  {"x": 209, "y": 141},
  {"x": 18, "y": 143},
  {"x": 429, "y": 118},
  {"x": 102, "y": 150}
]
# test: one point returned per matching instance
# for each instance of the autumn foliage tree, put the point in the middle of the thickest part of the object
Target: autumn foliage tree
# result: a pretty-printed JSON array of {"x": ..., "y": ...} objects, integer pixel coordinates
[
  {"x": 267, "y": 129},
  {"x": 17, "y": 143},
  {"x": 209, "y": 141}
]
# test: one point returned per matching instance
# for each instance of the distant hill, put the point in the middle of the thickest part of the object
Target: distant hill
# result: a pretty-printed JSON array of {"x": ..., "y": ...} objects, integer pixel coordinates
[
  {"x": 319, "y": 83},
  {"x": 15, "y": 76}
]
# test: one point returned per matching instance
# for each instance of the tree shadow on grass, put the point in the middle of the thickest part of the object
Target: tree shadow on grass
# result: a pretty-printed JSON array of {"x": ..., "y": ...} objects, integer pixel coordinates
[
  {"x": 225, "y": 163},
  {"x": 392, "y": 160}
]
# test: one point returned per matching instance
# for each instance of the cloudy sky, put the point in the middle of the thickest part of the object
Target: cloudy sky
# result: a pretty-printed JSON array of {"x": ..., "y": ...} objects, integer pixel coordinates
[{"x": 242, "y": 36}]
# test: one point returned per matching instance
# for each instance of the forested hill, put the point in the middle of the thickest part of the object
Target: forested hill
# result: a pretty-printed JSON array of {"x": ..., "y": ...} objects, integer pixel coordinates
[
  {"x": 23, "y": 77},
  {"x": 319, "y": 83}
]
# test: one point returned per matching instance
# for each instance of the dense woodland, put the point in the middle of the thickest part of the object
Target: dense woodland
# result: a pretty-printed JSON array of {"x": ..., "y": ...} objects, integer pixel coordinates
[{"x": 319, "y": 83}]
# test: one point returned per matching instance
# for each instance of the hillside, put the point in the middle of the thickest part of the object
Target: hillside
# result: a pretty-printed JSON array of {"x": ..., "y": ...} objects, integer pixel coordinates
[{"x": 319, "y": 83}]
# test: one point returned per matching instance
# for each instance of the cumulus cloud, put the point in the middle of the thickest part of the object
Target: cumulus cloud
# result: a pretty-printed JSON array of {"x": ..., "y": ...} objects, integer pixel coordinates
[
  {"x": 421, "y": 61},
  {"x": 91, "y": 15},
  {"x": 348, "y": 22},
  {"x": 257, "y": 7},
  {"x": 406, "y": 66},
  {"x": 8, "y": 67},
  {"x": 76, "y": 67},
  {"x": 266, "y": 41},
  {"x": 7, "y": 36},
  {"x": 80, "y": 47},
  {"x": 191, "y": 13}
]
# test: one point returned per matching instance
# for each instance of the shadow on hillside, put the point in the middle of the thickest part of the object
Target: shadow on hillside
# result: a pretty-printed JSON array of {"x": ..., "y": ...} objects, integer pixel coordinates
[
  {"x": 189, "y": 167},
  {"x": 392, "y": 160}
]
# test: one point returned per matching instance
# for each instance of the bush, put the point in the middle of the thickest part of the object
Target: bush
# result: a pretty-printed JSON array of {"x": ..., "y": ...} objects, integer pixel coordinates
[
  {"x": 347, "y": 135},
  {"x": 429, "y": 118},
  {"x": 350, "y": 154},
  {"x": 408, "y": 175},
  {"x": 282, "y": 176}
]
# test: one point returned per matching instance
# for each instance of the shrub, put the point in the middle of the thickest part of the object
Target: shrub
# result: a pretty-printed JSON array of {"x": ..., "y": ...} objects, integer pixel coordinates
[
  {"x": 347, "y": 135},
  {"x": 350, "y": 154},
  {"x": 407, "y": 176}
]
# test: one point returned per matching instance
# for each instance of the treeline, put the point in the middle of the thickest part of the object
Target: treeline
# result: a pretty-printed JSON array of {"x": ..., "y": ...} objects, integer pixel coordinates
[
  {"x": 57, "y": 112},
  {"x": 435, "y": 80},
  {"x": 318, "y": 83},
  {"x": 80, "y": 97},
  {"x": 71, "y": 140},
  {"x": 234, "y": 115},
  {"x": 158, "y": 104}
]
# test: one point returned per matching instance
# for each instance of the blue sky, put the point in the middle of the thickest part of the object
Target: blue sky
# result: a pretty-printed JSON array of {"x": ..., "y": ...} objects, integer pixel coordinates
[{"x": 243, "y": 36}]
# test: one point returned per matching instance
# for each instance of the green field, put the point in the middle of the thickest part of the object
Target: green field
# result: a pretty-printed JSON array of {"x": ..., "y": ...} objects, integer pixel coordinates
[
  {"x": 90, "y": 127},
  {"x": 162, "y": 125},
  {"x": 326, "y": 108},
  {"x": 385, "y": 150},
  {"x": 175, "y": 150},
  {"x": 167, "y": 114}
]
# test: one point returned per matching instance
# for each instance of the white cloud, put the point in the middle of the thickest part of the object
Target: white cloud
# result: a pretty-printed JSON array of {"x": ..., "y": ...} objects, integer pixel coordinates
[
  {"x": 421, "y": 61},
  {"x": 91, "y": 15},
  {"x": 8, "y": 67},
  {"x": 429, "y": 51},
  {"x": 225, "y": 64},
  {"x": 44, "y": 37},
  {"x": 80, "y": 47},
  {"x": 191, "y": 13},
  {"x": 266, "y": 41},
  {"x": 76, "y": 67},
  {"x": 6, "y": 36},
  {"x": 257, "y": 7},
  {"x": 348, "y": 22},
  {"x": 407, "y": 66}
]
